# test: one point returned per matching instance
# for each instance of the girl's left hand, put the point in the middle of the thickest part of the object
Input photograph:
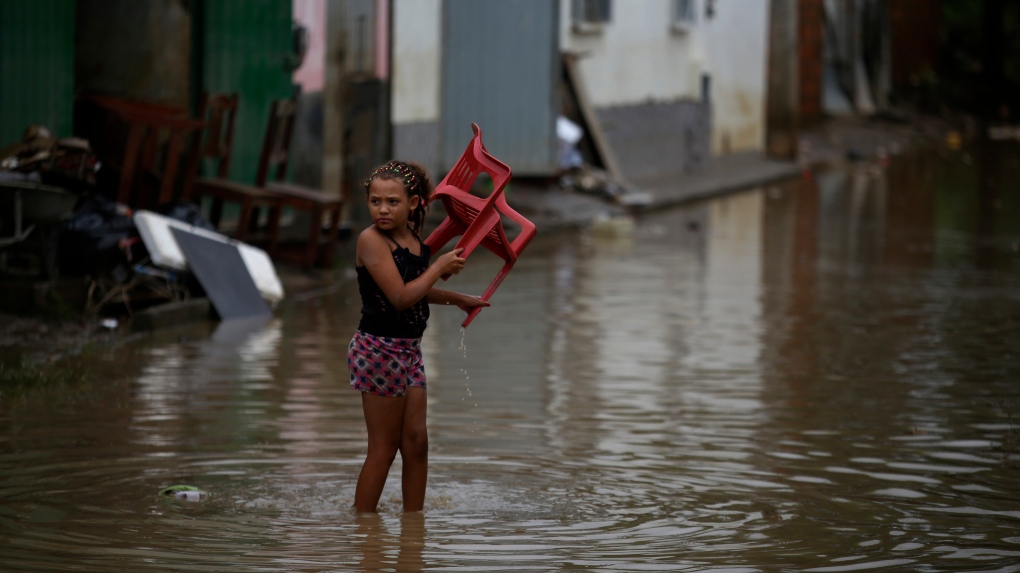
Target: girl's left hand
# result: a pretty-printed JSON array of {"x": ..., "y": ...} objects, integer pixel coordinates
[{"x": 466, "y": 302}]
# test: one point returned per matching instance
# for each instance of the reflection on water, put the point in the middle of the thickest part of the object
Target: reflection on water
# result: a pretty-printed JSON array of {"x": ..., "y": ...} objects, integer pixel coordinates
[{"x": 813, "y": 376}]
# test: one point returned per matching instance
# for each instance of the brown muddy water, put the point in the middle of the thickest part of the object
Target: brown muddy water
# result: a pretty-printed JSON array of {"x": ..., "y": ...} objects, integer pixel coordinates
[{"x": 813, "y": 376}]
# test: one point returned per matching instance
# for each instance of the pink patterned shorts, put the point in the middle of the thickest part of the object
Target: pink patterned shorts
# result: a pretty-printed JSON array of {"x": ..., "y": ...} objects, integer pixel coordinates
[{"x": 385, "y": 366}]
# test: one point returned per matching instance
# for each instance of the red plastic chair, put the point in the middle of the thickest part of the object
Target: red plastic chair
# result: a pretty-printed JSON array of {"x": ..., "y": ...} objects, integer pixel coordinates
[{"x": 479, "y": 220}]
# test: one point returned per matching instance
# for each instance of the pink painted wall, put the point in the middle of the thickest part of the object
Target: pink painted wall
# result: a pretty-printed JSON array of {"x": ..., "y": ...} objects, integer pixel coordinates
[
  {"x": 382, "y": 39},
  {"x": 312, "y": 15}
]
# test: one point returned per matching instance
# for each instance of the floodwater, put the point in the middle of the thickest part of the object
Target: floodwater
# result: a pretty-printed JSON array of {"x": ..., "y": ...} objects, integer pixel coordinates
[{"x": 820, "y": 375}]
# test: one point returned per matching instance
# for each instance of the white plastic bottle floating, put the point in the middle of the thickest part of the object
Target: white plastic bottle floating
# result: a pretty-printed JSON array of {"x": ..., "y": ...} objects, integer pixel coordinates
[
  {"x": 184, "y": 492},
  {"x": 191, "y": 495}
]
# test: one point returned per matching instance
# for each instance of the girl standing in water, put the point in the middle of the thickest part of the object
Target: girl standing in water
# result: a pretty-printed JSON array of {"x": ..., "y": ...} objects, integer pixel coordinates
[{"x": 396, "y": 283}]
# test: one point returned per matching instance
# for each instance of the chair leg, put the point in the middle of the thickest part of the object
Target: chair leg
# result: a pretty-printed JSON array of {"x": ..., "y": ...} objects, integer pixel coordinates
[
  {"x": 498, "y": 280},
  {"x": 275, "y": 212},
  {"x": 243, "y": 220},
  {"x": 314, "y": 230},
  {"x": 477, "y": 232},
  {"x": 489, "y": 291},
  {"x": 446, "y": 230},
  {"x": 256, "y": 217},
  {"x": 215, "y": 212},
  {"x": 253, "y": 219},
  {"x": 326, "y": 258}
]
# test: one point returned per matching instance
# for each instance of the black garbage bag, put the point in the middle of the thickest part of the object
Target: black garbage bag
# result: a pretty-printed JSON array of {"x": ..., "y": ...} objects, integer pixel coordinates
[{"x": 96, "y": 238}]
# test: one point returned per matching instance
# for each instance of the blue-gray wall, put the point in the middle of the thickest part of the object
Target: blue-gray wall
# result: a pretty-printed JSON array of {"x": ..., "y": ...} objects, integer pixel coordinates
[
  {"x": 659, "y": 139},
  {"x": 500, "y": 69}
]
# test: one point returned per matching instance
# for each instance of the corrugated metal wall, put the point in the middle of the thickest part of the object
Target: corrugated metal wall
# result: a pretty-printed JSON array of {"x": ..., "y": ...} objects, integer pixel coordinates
[
  {"x": 36, "y": 67},
  {"x": 500, "y": 68},
  {"x": 244, "y": 46}
]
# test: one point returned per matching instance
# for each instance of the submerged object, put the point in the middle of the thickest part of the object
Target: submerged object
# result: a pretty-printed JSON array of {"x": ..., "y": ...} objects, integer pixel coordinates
[
  {"x": 157, "y": 233},
  {"x": 185, "y": 492},
  {"x": 613, "y": 226}
]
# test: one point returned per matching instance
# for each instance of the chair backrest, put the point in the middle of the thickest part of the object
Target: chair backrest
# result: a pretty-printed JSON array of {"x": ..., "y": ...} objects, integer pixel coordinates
[
  {"x": 151, "y": 157},
  {"x": 474, "y": 161},
  {"x": 114, "y": 131},
  {"x": 276, "y": 145},
  {"x": 216, "y": 141}
]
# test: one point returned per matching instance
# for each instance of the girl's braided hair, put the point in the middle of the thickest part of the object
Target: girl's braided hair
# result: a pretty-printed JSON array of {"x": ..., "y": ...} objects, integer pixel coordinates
[{"x": 416, "y": 182}]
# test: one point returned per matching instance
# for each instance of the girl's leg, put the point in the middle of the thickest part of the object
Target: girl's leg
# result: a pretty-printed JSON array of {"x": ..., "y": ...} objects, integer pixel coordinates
[
  {"x": 414, "y": 450},
  {"x": 384, "y": 417}
]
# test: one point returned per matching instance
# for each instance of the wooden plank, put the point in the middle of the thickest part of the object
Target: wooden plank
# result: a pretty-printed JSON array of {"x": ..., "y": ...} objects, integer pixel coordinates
[{"x": 589, "y": 121}]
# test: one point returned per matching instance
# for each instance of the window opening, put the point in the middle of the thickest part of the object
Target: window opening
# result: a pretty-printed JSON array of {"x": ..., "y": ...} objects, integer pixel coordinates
[
  {"x": 685, "y": 14},
  {"x": 590, "y": 15}
]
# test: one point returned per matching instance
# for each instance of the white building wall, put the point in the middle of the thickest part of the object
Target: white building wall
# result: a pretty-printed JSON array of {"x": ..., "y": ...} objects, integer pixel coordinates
[
  {"x": 736, "y": 56},
  {"x": 417, "y": 25},
  {"x": 639, "y": 57},
  {"x": 635, "y": 58}
]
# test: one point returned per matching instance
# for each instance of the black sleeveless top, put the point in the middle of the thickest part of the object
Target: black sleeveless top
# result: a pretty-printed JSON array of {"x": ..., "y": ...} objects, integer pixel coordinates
[{"x": 378, "y": 316}]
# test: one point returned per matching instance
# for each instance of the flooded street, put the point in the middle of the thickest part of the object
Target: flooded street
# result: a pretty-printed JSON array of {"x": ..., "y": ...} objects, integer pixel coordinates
[{"x": 820, "y": 375}]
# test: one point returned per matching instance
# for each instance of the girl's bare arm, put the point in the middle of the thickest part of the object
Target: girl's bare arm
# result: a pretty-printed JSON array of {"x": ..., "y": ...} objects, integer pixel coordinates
[
  {"x": 463, "y": 301},
  {"x": 374, "y": 253}
]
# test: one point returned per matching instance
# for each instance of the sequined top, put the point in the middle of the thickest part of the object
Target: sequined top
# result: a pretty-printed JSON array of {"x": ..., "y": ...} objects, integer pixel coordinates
[{"x": 378, "y": 315}]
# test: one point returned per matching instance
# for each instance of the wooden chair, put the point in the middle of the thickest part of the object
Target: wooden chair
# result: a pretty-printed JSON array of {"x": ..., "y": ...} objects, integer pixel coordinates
[
  {"x": 318, "y": 248},
  {"x": 149, "y": 172},
  {"x": 141, "y": 142},
  {"x": 478, "y": 220},
  {"x": 216, "y": 144},
  {"x": 101, "y": 119}
]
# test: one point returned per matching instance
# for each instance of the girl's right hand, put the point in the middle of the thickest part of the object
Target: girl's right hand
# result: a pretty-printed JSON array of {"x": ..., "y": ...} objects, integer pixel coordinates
[{"x": 451, "y": 263}]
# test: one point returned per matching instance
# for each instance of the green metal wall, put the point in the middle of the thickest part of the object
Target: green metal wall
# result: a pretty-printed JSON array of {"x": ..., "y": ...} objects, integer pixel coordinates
[
  {"x": 244, "y": 46},
  {"x": 36, "y": 67}
]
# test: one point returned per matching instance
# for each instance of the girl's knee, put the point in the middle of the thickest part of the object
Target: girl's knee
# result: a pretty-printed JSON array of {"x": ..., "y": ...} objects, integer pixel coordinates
[
  {"x": 415, "y": 443},
  {"x": 384, "y": 449}
]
